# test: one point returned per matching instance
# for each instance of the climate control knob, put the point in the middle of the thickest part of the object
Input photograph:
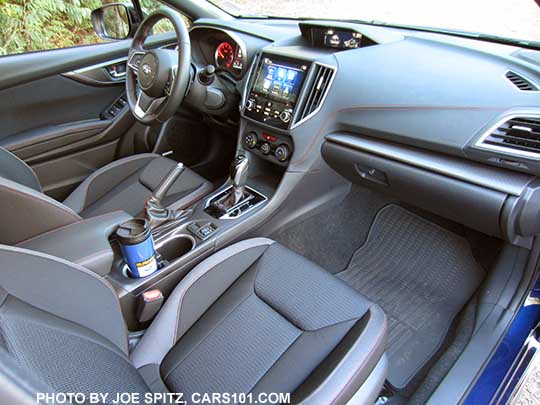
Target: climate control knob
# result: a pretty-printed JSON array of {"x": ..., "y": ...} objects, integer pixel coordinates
[
  {"x": 250, "y": 140},
  {"x": 250, "y": 104},
  {"x": 285, "y": 116},
  {"x": 282, "y": 153},
  {"x": 265, "y": 148}
]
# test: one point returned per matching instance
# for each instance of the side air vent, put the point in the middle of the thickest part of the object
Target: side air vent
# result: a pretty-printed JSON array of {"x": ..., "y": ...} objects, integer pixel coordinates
[
  {"x": 315, "y": 96},
  {"x": 520, "y": 82},
  {"x": 519, "y": 135}
]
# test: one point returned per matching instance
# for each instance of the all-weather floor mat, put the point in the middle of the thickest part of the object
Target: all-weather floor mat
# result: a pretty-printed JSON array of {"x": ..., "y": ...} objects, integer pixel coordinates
[{"x": 421, "y": 275}]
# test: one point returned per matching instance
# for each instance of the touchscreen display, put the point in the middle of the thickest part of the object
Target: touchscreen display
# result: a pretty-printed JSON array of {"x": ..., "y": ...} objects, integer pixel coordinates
[{"x": 279, "y": 80}]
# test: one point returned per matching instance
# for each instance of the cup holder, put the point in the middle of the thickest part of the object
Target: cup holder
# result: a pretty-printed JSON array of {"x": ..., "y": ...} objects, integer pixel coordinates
[{"x": 175, "y": 247}]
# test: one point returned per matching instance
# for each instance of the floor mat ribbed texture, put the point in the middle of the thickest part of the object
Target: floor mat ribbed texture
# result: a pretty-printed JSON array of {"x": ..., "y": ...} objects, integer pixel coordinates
[
  {"x": 421, "y": 275},
  {"x": 330, "y": 237}
]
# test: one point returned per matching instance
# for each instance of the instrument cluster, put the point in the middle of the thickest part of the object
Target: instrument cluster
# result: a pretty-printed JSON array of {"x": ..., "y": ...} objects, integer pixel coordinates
[
  {"x": 222, "y": 48},
  {"x": 229, "y": 56}
]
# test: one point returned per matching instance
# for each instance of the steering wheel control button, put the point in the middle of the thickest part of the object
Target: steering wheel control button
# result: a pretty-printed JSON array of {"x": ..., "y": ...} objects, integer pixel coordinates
[
  {"x": 170, "y": 82},
  {"x": 282, "y": 153},
  {"x": 134, "y": 61},
  {"x": 285, "y": 116},
  {"x": 266, "y": 148},
  {"x": 250, "y": 140}
]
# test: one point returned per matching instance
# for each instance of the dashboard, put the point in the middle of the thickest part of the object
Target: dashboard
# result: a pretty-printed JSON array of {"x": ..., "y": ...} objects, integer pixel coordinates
[
  {"x": 426, "y": 90},
  {"x": 448, "y": 124}
]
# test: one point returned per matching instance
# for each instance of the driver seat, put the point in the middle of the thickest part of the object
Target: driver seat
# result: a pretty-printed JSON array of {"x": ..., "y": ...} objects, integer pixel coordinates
[{"x": 123, "y": 185}]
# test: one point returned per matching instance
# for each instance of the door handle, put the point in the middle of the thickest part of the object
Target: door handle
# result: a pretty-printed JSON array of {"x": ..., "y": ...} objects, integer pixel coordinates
[
  {"x": 103, "y": 74},
  {"x": 117, "y": 70}
]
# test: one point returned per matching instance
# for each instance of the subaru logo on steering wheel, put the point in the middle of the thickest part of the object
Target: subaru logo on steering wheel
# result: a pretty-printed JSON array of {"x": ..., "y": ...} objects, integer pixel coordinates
[{"x": 146, "y": 69}]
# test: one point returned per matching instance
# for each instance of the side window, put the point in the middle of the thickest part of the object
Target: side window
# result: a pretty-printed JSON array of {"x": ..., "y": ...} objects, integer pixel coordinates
[
  {"x": 37, "y": 25},
  {"x": 149, "y": 6}
]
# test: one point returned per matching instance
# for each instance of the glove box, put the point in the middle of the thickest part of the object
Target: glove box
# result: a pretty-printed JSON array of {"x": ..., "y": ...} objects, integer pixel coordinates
[{"x": 485, "y": 198}]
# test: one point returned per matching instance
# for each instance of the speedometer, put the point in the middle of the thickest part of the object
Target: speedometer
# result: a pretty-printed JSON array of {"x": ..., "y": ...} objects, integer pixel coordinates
[{"x": 224, "y": 55}]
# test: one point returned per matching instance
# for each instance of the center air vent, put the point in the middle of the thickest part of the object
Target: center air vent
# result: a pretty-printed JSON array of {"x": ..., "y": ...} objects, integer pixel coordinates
[
  {"x": 520, "y": 82},
  {"x": 519, "y": 135},
  {"x": 315, "y": 97}
]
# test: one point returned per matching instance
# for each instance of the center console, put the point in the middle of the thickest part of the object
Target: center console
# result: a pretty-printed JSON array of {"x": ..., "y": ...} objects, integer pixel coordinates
[{"x": 183, "y": 238}]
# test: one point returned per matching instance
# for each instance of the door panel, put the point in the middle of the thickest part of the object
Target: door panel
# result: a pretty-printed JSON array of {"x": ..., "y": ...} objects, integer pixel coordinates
[
  {"x": 61, "y": 175},
  {"x": 52, "y": 118},
  {"x": 51, "y": 101},
  {"x": 55, "y": 110},
  {"x": 73, "y": 151},
  {"x": 108, "y": 73},
  {"x": 32, "y": 66},
  {"x": 35, "y": 144},
  {"x": 58, "y": 124},
  {"x": 29, "y": 67}
]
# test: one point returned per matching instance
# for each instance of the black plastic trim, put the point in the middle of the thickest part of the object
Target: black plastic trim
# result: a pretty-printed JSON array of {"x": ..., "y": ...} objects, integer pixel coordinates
[{"x": 490, "y": 177}]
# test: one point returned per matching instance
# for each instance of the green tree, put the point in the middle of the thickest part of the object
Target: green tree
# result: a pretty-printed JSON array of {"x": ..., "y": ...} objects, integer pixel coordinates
[
  {"x": 34, "y": 25},
  {"x": 28, "y": 25}
]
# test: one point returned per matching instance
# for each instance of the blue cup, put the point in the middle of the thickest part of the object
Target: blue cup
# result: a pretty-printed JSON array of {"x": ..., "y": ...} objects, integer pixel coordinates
[{"x": 137, "y": 245}]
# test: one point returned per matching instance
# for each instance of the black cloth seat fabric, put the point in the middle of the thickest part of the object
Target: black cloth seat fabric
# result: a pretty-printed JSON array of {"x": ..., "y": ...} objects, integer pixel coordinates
[
  {"x": 123, "y": 185},
  {"x": 252, "y": 318}
]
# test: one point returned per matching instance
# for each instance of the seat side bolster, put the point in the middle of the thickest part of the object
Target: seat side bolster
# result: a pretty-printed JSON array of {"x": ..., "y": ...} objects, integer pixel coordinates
[
  {"x": 104, "y": 179},
  {"x": 356, "y": 364},
  {"x": 193, "y": 296},
  {"x": 64, "y": 289}
]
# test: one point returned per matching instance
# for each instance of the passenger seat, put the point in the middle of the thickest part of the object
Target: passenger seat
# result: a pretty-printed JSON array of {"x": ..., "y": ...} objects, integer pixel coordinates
[{"x": 252, "y": 318}]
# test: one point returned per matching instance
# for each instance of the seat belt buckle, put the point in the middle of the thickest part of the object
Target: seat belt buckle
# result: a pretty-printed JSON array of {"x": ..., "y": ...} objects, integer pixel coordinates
[{"x": 149, "y": 304}]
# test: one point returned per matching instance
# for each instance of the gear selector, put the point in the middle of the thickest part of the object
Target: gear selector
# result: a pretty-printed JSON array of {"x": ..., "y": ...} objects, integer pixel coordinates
[
  {"x": 236, "y": 199},
  {"x": 239, "y": 174}
]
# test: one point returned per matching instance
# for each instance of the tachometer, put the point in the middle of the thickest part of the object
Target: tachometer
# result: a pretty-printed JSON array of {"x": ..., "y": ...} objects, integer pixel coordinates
[{"x": 224, "y": 55}]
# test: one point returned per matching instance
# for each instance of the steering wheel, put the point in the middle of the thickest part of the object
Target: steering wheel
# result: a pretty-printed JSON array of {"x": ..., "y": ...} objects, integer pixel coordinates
[{"x": 161, "y": 75}]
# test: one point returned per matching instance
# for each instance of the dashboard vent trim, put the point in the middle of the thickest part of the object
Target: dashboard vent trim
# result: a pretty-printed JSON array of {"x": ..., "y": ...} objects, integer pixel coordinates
[
  {"x": 520, "y": 82},
  {"x": 315, "y": 96},
  {"x": 515, "y": 135}
]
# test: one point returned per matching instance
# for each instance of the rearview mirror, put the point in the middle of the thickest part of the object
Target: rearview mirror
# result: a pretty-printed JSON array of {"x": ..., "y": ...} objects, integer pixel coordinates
[{"x": 114, "y": 21}]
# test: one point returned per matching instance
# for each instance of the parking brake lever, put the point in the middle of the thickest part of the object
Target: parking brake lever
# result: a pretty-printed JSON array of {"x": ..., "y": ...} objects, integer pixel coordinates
[{"x": 155, "y": 212}]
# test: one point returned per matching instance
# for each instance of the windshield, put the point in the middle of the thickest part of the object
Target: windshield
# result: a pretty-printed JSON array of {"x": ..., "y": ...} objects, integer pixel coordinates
[{"x": 518, "y": 19}]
